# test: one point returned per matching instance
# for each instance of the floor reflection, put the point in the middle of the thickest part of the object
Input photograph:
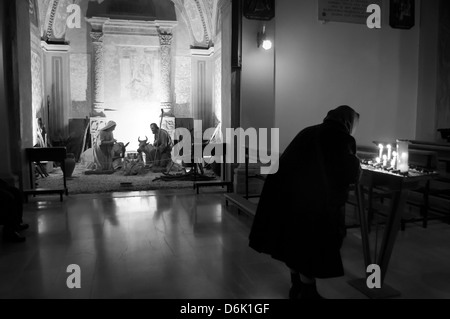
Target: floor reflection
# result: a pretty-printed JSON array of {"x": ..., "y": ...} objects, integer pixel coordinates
[{"x": 182, "y": 245}]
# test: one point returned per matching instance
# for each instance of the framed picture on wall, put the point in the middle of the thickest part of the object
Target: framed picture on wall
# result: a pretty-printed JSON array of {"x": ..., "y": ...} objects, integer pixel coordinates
[
  {"x": 259, "y": 9},
  {"x": 401, "y": 14}
]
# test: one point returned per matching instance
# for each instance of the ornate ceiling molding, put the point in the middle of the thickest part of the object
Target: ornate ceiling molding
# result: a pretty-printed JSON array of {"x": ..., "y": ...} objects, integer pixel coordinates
[
  {"x": 51, "y": 19},
  {"x": 206, "y": 20},
  {"x": 107, "y": 26},
  {"x": 204, "y": 9}
]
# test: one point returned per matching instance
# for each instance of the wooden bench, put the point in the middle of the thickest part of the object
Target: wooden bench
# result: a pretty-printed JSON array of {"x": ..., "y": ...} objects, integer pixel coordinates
[
  {"x": 43, "y": 191},
  {"x": 229, "y": 185},
  {"x": 242, "y": 204},
  {"x": 56, "y": 154}
]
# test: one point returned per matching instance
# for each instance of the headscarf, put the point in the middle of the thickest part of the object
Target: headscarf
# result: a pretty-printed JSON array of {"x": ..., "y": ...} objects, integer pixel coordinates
[
  {"x": 344, "y": 115},
  {"x": 109, "y": 125}
]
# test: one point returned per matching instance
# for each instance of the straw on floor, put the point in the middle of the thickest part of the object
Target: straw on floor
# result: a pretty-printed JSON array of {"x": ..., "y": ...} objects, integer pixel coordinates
[{"x": 81, "y": 183}]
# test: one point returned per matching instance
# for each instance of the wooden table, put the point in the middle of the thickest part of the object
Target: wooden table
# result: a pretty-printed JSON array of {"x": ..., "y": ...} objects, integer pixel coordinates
[
  {"x": 398, "y": 185},
  {"x": 55, "y": 154}
]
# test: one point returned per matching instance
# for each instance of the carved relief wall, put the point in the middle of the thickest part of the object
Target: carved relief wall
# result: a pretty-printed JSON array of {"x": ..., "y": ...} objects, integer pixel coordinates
[
  {"x": 132, "y": 84},
  {"x": 36, "y": 67},
  {"x": 36, "y": 88},
  {"x": 80, "y": 84},
  {"x": 183, "y": 87},
  {"x": 138, "y": 71}
]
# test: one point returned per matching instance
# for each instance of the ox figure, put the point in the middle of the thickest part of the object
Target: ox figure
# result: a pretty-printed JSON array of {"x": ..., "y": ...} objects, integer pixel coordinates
[{"x": 145, "y": 148}]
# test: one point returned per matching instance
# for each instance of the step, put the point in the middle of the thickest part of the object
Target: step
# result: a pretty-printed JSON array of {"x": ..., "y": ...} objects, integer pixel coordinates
[{"x": 242, "y": 203}]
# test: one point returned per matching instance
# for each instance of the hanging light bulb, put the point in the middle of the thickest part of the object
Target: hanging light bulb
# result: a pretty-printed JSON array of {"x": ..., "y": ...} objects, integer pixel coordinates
[{"x": 263, "y": 41}]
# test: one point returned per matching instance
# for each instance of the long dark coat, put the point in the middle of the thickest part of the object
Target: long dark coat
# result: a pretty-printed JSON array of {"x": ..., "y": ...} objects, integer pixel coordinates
[{"x": 299, "y": 219}]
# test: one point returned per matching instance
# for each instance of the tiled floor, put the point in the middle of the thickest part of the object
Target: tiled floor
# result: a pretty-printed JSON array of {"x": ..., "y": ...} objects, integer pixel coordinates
[{"x": 176, "y": 244}]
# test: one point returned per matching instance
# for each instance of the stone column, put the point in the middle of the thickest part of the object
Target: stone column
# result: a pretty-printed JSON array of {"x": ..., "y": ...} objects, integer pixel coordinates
[
  {"x": 168, "y": 122},
  {"x": 99, "y": 89}
]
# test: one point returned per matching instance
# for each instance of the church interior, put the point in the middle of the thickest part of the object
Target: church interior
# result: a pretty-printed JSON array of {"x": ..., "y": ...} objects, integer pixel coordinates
[{"x": 70, "y": 66}]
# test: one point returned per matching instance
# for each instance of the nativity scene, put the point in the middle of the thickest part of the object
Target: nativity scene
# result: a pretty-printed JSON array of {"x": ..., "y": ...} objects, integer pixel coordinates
[{"x": 118, "y": 67}]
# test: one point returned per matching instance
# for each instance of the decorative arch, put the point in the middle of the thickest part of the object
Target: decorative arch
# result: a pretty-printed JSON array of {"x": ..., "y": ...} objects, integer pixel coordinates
[
  {"x": 53, "y": 19},
  {"x": 198, "y": 15}
]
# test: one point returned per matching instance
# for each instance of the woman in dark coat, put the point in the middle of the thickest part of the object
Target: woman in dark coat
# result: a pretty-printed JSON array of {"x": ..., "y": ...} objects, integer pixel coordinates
[{"x": 300, "y": 215}]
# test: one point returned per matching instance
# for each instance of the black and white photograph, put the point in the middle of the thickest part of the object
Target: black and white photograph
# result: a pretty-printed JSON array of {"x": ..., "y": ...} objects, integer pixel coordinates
[
  {"x": 219, "y": 158},
  {"x": 259, "y": 9},
  {"x": 402, "y": 14}
]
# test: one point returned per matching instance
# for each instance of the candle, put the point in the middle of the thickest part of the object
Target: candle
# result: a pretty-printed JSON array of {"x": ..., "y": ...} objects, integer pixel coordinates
[
  {"x": 394, "y": 159},
  {"x": 402, "y": 156},
  {"x": 384, "y": 160},
  {"x": 378, "y": 160},
  {"x": 389, "y": 147},
  {"x": 393, "y": 163},
  {"x": 381, "y": 150}
]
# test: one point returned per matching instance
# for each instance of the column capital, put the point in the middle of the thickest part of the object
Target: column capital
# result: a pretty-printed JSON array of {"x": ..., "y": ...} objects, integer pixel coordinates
[
  {"x": 167, "y": 108},
  {"x": 97, "y": 23},
  {"x": 98, "y": 110},
  {"x": 165, "y": 38},
  {"x": 96, "y": 36},
  {"x": 165, "y": 26}
]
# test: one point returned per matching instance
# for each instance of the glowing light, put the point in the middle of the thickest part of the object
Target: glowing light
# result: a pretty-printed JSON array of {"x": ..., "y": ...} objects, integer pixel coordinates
[
  {"x": 267, "y": 45},
  {"x": 381, "y": 150}
]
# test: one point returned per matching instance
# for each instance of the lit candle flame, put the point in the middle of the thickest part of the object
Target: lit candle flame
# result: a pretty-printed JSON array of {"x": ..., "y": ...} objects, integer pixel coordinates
[{"x": 381, "y": 150}]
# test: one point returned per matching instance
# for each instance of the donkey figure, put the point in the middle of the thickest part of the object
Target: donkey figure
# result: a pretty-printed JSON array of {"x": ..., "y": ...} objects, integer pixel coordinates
[{"x": 118, "y": 153}]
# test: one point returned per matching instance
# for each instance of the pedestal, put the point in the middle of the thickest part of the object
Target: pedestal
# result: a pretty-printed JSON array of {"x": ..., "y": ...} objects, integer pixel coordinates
[
  {"x": 384, "y": 292},
  {"x": 398, "y": 185}
]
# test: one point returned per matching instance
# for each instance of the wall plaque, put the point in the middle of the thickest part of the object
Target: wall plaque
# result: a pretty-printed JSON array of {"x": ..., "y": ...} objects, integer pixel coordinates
[{"x": 350, "y": 11}]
